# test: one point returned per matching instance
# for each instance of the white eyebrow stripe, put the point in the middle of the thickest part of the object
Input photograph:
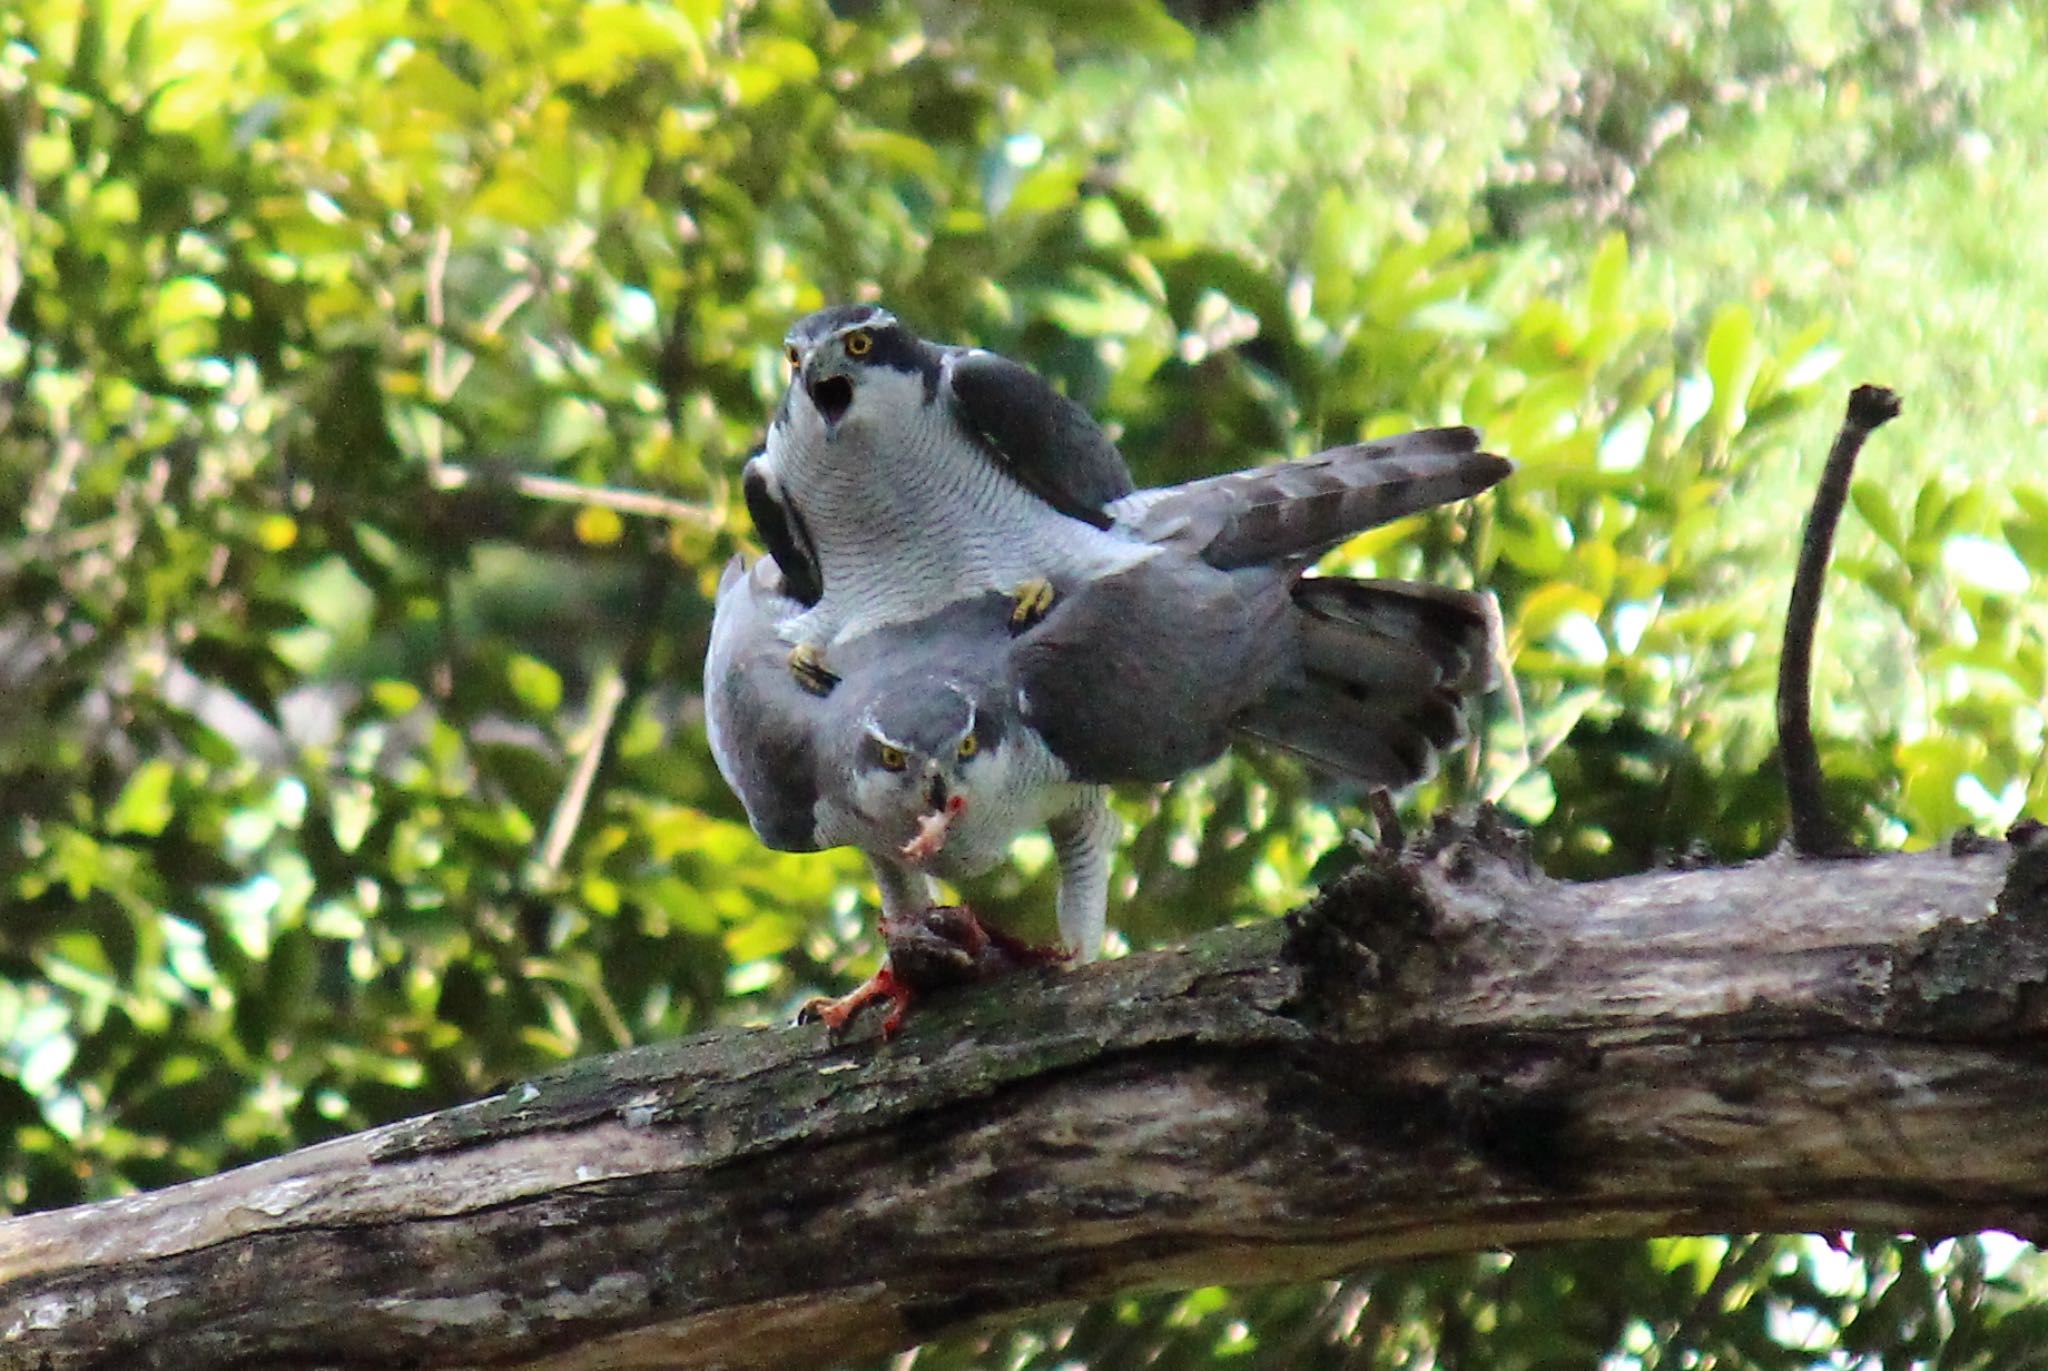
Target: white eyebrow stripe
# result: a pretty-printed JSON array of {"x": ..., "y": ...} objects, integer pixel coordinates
[{"x": 874, "y": 730}]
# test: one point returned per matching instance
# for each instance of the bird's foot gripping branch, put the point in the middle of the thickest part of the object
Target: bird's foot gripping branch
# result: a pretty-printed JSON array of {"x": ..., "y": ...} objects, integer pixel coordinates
[{"x": 937, "y": 948}]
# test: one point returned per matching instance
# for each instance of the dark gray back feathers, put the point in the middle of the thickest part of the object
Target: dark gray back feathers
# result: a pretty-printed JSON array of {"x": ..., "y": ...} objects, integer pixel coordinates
[{"x": 1041, "y": 439}]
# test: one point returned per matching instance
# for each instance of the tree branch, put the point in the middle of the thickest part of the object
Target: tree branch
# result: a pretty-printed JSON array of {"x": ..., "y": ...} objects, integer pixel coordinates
[
  {"x": 1445, "y": 1052},
  {"x": 448, "y": 476},
  {"x": 1813, "y": 832}
]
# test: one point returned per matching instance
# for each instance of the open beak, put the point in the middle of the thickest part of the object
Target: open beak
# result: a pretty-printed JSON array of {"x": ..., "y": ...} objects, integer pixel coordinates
[
  {"x": 932, "y": 828},
  {"x": 832, "y": 396}
]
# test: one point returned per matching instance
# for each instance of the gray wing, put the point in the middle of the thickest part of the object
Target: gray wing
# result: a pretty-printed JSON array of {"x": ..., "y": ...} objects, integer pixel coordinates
[
  {"x": 1139, "y": 676},
  {"x": 783, "y": 532},
  {"x": 1044, "y": 441},
  {"x": 761, "y": 724},
  {"x": 1301, "y": 509},
  {"x": 1147, "y": 674}
]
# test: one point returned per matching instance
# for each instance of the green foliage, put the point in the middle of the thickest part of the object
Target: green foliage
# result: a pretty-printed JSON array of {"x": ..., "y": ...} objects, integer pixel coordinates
[
  {"x": 350, "y": 733},
  {"x": 1675, "y": 1302}
]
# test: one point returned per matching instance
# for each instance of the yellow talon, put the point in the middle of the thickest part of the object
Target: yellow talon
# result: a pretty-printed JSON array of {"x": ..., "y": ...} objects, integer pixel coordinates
[
  {"x": 1031, "y": 601},
  {"x": 807, "y": 664}
]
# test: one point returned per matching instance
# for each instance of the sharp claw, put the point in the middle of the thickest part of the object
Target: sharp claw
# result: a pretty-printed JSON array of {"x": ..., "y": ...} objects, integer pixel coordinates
[
  {"x": 1031, "y": 601},
  {"x": 807, "y": 664},
  {"x": 837, "y": 1014}
]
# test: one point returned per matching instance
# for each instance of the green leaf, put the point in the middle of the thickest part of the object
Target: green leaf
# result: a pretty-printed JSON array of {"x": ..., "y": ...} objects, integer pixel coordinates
[
  {"x": 1607, "y": 278},
  {"x": 896, "y": 151},
  {"x": 538, "y": 685},
  {"x": 1044, "y": 189},
  {"x": 144, "y": 805},
  {"x": 1877, "y": 512},
  {"x": 1731, "y": 360},
  {"x": 1546, "y": 610},
  {"x": 2027, "y": 532},
  {"x": 766, "y": 65},
  {"x": 1141, "y": 25},
  {"x": 618, "y": 37},
  {"x": 396, "y": 697},
  {"x": 765, "y": 935}
]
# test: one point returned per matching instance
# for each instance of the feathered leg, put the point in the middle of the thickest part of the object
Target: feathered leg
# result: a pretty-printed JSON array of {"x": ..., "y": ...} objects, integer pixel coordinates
[{"x": 1084, "y": 838}]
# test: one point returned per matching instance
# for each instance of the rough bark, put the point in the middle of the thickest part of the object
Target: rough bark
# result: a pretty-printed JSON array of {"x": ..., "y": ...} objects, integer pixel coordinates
[{"x": 1438, "y": 1055}]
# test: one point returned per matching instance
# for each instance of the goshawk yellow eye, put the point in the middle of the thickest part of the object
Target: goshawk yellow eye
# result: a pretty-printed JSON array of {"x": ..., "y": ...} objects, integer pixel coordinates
[
  {"x": 859, "y": 343},
  {"x": 893, "y": 758},
  {"x": 795, "y": 358},
  {"x": 969, "y": 745}
]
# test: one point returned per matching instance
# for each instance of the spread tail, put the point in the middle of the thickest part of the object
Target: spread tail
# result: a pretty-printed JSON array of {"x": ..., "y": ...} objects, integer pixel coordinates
[
  {"x": 1385, "y": 667},
  {"x": 1303, "y": 508}
]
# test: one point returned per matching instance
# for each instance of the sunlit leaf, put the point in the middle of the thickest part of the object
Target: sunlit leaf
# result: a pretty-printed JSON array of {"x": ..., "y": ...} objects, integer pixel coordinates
[
  {"x": 1731, "y": 356},
  {"x": 599, "y": 526},
  {"x": 144, "y": 806}
]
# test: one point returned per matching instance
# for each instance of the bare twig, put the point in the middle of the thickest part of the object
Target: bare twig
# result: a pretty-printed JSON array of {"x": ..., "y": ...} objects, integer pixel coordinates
[
  {"x": 1813, "y": 831},
  {"x": 438, "y": 389},
  {"x": 1534, "y": 755},
  {"x": 605, "y": 698},
  {"x": 437, "y": 313},
  {"x": 553, "y": 488},
  {"x": 618, "y": 692},
  {"x": 508, "y": 304},
  {"x": 500, "y": 314},
  {"x": 1519, "y": 717},
  {"x": 47, "y": 499},
  {"x": 447, "y": 371},
  {"x": 54, "y": 547}
]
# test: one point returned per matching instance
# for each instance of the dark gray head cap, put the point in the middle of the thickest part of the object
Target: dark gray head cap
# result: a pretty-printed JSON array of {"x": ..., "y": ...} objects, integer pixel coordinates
[
  {"x": 818, "y": 325},
  {"x": 929, "y": 714}
]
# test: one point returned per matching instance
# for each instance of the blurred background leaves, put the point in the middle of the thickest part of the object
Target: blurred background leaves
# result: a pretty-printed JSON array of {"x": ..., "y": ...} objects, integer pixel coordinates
[{"x": 375, "y": 376}]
